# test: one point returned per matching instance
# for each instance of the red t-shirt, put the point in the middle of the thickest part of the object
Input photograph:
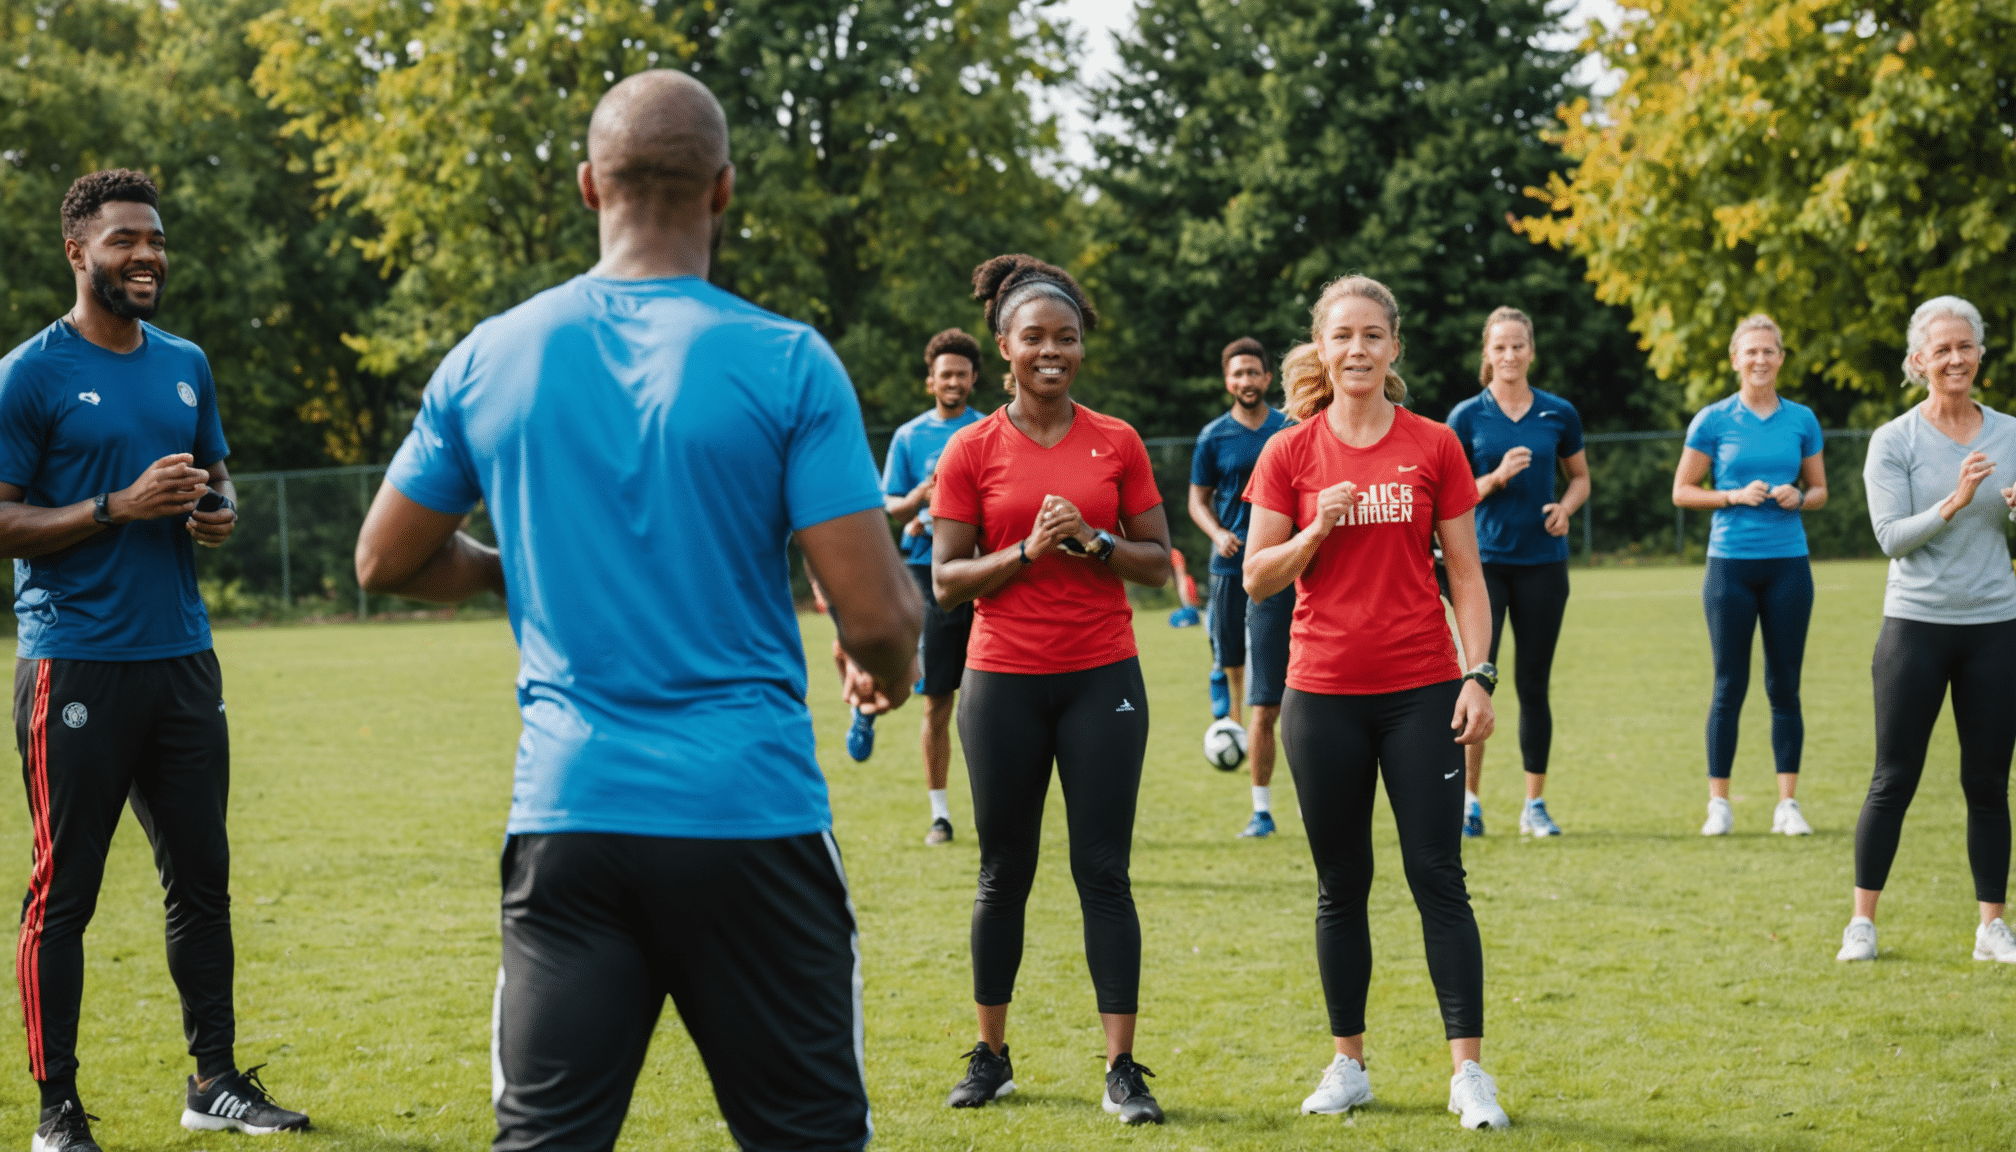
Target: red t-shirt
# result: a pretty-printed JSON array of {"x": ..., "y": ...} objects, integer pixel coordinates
[
  {"x": 1060, "y": 613},
  {"x": 1368, "y": 617}
]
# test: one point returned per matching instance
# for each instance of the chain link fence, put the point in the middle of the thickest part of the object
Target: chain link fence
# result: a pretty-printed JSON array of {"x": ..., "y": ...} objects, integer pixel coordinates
[{"x": 291, "y": 557}]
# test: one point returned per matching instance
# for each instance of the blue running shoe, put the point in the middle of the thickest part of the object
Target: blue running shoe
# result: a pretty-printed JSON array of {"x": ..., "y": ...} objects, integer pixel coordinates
[
  {"x": 1262, "y": 824},
  {"x": 1473, "y": 819},
  {"x": 861, "y": 737},
  {"x": 1221, "y": 695},
  {"x": 1535, "y": 822}
]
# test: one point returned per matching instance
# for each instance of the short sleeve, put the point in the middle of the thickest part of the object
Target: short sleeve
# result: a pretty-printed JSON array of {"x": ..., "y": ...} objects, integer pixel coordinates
[
  {"x": 1459, "y": 423},
  {"x": 1811, "y": 439},
  {"x": 1138, "y": 491},
  {"x": 898, "y": 473},
  {"x": 956, "y": 496},
  {"x": 1455, "y": 490},
  {"x": 828, "y": 470},
  {"x": 210, "y": 446},
  {"x": 1571, "y": 432},
  {"x": 433, "y": 467},
  {"x": 1204, "y": 464},
  {"x": 1703, "y": 431},
  {"x": 1272, "y": 485},
  {"x": 24, "y": 425}
]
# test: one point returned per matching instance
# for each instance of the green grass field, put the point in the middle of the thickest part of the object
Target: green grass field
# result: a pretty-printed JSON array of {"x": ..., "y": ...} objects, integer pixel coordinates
[{"x": 1647, "y": 988}]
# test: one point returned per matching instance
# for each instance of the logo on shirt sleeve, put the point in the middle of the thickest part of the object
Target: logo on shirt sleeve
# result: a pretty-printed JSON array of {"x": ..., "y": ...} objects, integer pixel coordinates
[
  {"x": 187, "y": 393},
  {"x": 88, "y": 397}
]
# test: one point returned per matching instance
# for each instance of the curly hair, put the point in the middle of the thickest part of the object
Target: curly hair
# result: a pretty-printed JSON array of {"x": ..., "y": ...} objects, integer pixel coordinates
[
  {"x": 997, "y": 279},
  {"x": 1309, "y": 388},
  {"x": 1244, "y": 346},
  {"x": 92, "y": 191},
  {"x": 952, "y": 342}
]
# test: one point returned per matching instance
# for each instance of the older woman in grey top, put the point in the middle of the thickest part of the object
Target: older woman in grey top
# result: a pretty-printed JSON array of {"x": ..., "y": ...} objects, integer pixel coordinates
[{"x": 1949, "y": 616}]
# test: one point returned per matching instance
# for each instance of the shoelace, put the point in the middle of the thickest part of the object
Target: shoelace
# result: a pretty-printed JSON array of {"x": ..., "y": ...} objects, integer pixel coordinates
[
  {"x": 978, "y": 1052},
  {"x": 1478, "y": 1087},
  {"x": 1131, "y": 1076},
  {"x": 1335, "y": 1073},
  {"x": 257, "y": 1087},
  {"x": 1999, "y": 932},
  {"x": 74, "y": 1121}
]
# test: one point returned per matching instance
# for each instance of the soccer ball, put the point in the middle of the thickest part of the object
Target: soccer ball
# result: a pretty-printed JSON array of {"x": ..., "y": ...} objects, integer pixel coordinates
[{"x": 1225, "y": 744}]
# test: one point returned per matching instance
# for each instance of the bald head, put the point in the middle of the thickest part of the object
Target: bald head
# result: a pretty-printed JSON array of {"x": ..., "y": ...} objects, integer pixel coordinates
[{"x": 658, "y": 135}]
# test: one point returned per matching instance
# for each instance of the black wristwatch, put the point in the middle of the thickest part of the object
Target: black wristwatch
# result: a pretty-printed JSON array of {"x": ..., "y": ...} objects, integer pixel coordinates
[
  {"x": 1485, "y": 674},
  {"x": 101, "y": 508},
  {"x": 1103, "y": 545}
]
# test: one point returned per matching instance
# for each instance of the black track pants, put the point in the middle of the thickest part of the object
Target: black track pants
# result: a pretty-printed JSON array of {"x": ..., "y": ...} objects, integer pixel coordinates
[
  {"x": 752, "y": 939},
  {"x": 1338, "y": 747},
  {"x": 94, "y": 736},
  {"x": 1094, "y": 725},
  {"x": 1536, "y": 596},
  {"x": 1737, "y": 596},
  {"x": 1913, "y": 665}
]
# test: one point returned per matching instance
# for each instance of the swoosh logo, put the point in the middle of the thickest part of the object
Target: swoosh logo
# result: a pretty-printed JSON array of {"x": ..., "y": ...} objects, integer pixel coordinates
[
  {"x": 1450, "y": 775},
  {"x": 1408, "y": 467}
]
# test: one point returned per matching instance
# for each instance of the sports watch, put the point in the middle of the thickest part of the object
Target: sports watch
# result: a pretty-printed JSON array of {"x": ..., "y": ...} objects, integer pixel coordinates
[
  {"x": 1102, "y": 548},
  {"x": 101, "y": 508},
  {"x": 1486, "y": 675}
]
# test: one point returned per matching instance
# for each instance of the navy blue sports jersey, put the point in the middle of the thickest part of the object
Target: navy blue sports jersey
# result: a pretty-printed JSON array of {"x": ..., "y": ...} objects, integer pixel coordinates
[
  {"x": 1223, "y": 462},
  {"x": 1511, "y": 528},
  {"x": 76, "y": 420}
]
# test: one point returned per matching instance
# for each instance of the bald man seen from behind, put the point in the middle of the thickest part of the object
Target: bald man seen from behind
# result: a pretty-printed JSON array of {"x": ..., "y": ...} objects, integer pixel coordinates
[{"x": 646, "y": 444}]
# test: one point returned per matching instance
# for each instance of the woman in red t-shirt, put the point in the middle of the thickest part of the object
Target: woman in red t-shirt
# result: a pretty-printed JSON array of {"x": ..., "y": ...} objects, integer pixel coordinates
[
  {"x": 1042, "y": 509},
  {"x": 1373, "y": 684}
]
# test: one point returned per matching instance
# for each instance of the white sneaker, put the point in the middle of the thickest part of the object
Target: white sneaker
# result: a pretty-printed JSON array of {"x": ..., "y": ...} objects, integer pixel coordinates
[
  {"x": 1789, "y": 820},
  {"x": 1721, "y": 818},
  {"x": 1994, "y": 941},
  {"x": 1344, "y": 1087},
  {"x": 1859, "y": 941},
  {"x": 1473, "y": 1096}
]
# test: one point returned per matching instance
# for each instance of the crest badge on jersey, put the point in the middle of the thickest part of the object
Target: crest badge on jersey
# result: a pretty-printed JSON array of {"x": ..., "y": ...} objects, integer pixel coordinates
[
  {"x": 75, "y": 714},
  {"x": 187, "y": 393}
]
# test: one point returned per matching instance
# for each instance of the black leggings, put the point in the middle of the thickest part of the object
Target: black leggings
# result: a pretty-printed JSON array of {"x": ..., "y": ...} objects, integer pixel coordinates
[
  {"x": 1737, "y": 595},
  {"x": 1337, "y": 748},
  {"x": 1914, "y": 663},
  {"x": 1094, "y": 725},
  {"x": 1537, "y": 597}
]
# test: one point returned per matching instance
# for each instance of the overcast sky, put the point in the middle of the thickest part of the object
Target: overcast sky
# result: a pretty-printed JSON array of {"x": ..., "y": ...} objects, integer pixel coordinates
[{"x": 1099, "y": 19}]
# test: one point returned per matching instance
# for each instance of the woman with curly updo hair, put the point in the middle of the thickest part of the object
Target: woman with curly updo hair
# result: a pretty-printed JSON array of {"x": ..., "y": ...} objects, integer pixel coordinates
[{"x": 1043, "y": 509}]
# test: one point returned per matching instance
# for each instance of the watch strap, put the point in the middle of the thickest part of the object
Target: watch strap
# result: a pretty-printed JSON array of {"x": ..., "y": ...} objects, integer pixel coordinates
[{"x": 101, "y": 508}]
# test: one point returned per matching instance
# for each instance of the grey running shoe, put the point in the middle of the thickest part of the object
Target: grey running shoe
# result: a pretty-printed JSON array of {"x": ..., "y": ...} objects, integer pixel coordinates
[
  {"x": 1127, "y": 1094},
  {"x": 988, "y": 1077},
  {"x": 238, "y": 1100},
  {"x": 940, "y": 833}
]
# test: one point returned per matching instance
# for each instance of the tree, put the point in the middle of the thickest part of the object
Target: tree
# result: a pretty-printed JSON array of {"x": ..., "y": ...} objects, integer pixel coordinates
[
  {"x": 253, "y": 276},
  {"x": 883, "y": 148},
  {"x": 1830, "y": 164},
  {"x": 1263, "y": 147}
]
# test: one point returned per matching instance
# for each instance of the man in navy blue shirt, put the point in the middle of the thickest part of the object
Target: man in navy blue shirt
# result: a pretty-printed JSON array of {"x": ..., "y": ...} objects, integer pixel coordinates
[
  {"x": 1223, "y": 461},
  {"x": 646, "y": 444},
  {"x": 111, "y": 465},
  {"x": 952, "y": 361}
]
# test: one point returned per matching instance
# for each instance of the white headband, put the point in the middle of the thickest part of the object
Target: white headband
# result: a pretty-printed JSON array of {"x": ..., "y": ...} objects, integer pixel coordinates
[{"x": 1022, "y": 292}]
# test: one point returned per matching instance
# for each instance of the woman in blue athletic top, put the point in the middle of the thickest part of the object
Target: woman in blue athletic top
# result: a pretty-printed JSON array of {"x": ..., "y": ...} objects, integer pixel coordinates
[
  {"x": 1516, "y": 436},
  {"x": 1763, "y": 448}
]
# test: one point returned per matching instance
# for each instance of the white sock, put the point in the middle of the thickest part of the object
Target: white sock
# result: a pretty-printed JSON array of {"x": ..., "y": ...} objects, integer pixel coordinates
[
  {"x": 1854, "y": 920},
  {"x": 1470, "y": 797},
  {"x": 941, "y": 808},
  {"x": 1263, "y": 798}
]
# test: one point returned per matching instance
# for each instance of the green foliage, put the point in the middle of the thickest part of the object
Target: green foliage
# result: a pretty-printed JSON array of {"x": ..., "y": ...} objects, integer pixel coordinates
[
  {"x": 254, "y": 277},
  {"x": 882, "y": 150},
  {"x": 1831, "y": 164},
  {"x": 1263, "y": 147}
]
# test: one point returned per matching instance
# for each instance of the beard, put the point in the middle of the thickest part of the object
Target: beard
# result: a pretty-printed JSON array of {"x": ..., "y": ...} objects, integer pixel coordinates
[
  {"x": 113, "y": 296},
  {"x": 1258, "y": 399}
]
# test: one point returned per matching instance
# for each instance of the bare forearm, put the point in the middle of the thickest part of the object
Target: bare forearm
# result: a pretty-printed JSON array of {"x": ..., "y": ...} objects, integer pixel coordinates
[
  {"x": 27, "y": 531},
  {"x": 1202, "y": 515},
  {"x": 1271, "y": 569},
  {"x": 903, "y": 507},
  {"x": 1487, "y": 484},
  {"x": 959, "y": 581},
  {"x": 1576, "y": 495},
  {"x": 1701, "y": 499},
  {"x": 1816, "y": 498},
  {"x": 1143, "y": 562},
  {"x": 460, "y": 569},
  {"x": 1472, "y": 603}
]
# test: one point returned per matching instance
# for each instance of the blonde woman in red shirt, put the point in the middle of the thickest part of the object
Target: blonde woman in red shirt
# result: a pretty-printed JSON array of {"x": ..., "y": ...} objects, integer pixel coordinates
[
  {"x": 1374, "y": 688},
  {"x": 1042, "y": 510}
]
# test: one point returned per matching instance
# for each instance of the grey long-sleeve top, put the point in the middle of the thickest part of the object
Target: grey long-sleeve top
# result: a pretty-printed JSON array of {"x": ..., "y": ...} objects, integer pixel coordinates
[{"x": 1942, "y": 571}]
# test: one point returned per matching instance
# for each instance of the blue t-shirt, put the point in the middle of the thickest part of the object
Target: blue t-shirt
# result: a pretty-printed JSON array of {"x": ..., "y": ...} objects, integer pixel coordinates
[
  {"x": 913, "y": 453},
  {"x": 1741, "y": 448},
  {"x": 1511, "y": 528},
  {"x": 1223, "y": 461},
  {"x": 645, "y": 448},
  {"x": 76, "y": 420}
]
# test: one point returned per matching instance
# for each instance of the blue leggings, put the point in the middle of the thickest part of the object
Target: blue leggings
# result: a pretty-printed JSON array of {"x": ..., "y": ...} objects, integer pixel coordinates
[{"x": 1737, "y": 594}]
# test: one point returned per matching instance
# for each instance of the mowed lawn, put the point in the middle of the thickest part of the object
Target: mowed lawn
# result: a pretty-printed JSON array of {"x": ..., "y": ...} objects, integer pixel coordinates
[{"x": 1646, "y": 987}]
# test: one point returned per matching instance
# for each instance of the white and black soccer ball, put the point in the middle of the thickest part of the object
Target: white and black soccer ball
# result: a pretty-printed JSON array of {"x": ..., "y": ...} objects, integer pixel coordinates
[{"x": 1225, "y": 744}]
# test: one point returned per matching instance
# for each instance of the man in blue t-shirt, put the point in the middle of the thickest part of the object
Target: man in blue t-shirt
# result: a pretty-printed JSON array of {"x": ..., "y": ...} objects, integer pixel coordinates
[
  {"x": 646, "y": 444},
  {"x": 1223, "y": 461},
  {"x": 111, "y": 465},
  {"x": 952, "y": 364}
]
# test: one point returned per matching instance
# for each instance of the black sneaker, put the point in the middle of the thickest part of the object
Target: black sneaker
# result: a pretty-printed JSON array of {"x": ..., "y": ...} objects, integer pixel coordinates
[
  {"x": 64, "y": 1128},
  {"x": 941, "y": 832},
  {"x": 238, "y": 1100},
  {"x": 1127, "y": 1094},
  {"x": 988, "y": 1077}
]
